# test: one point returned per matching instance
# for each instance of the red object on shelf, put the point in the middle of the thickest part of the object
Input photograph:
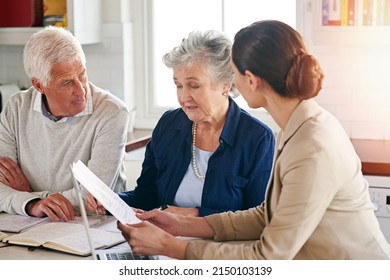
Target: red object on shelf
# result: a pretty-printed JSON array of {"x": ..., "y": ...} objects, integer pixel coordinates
[{"x": 21, "y": 13}]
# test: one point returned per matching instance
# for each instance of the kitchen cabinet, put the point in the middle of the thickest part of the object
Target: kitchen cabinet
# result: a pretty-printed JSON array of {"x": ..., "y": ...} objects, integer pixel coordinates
[
  {"x": 354, "y": 27},
  {"x": 84, "y": 21}
]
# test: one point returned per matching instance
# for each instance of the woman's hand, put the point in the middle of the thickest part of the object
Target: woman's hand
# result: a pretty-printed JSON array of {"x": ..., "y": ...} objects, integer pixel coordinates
[
  {"x": 93, "y": 206},
  {"x": 147, "y": 239},
  {"x": 155, "y": 235},
  {"x": 178, "y": 225},
  {"x": 137, "y": 210},
  {"x": 193, "y": 212},
  {"x": 163, "y": 219}
]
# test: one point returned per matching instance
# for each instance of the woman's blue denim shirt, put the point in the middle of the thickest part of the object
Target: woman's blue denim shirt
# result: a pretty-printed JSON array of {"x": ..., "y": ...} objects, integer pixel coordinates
[{"x": 237, "y": 173}]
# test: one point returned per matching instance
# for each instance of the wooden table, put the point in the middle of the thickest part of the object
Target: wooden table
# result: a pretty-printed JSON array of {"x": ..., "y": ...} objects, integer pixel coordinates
[{"x": 138, "y": 139}]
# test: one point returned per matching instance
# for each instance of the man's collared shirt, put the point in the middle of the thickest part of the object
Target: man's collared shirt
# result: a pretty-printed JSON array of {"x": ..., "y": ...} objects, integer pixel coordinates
[{"x": 39, "y": 106}]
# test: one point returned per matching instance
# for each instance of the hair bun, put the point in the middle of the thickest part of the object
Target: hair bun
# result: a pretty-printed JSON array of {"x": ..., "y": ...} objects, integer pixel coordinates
[{"x": 304, "y": 78}]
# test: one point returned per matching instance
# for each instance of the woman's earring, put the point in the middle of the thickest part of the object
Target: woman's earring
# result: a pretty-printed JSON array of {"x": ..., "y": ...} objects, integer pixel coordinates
[{"x": 225, "y": 93}]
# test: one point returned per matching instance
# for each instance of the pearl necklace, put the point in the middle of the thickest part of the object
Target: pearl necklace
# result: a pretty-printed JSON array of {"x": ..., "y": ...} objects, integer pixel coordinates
[{"x": 194, "y": 165}]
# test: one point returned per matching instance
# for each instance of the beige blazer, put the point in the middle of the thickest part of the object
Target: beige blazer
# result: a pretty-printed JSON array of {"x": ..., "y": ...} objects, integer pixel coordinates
[{"x": 317, "y": 204}]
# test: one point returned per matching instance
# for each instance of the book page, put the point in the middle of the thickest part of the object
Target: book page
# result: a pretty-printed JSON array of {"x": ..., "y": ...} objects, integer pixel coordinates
[
  {"x": 66, "y": 237},
  {"x": 109, "y": 199},
  {"x": 93, "y": 220},
  {"x": 78, "y": 243},
  {"x": 108, "y": 225},
  {"x": 39, "y": 235},
  {"x": 18, "y": 223}
]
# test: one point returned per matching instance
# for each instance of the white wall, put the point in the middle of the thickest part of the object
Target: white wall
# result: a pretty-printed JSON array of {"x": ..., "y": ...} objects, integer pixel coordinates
[
  {"x": 357, "y": 81},
  {"x": 356, "y": 87}
]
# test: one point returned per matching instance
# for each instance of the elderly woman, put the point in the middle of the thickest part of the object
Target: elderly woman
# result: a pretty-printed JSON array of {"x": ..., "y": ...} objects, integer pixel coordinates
[{"x": 208, "y": 156}]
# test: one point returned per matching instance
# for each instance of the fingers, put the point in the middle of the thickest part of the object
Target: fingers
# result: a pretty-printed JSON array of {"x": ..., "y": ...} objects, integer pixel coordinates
[
  {"x": 194, "y": 212},
  {"x": 120, "y": 226},
  {"x": 125, "y": 230},
  {"x": 57, "y": 208},
  {"x": 100, "y": 209},
  {"x": 135, "y": 236},
  {"x": 13, "y": 175},
  {"x": 94, "y": 206},
  {"x": 11, "y": 165},
  {"x": 3, "y": 179},
  {"x": 90, "y": 204},
  {"x": 139, "y": 211},
  {"x": 9, "y": 168},
  {"x": 128, "y": 231},
  {"x": 6, "y": 168},
  {"x": 146, "y": 215}
]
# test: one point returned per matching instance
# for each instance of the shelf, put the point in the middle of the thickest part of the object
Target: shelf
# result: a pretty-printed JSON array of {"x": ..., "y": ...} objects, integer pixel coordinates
[
  {"x": 84, "y": 21},
  {"x": 16, "y": 35},
  {"x": 344, "y": 35}
]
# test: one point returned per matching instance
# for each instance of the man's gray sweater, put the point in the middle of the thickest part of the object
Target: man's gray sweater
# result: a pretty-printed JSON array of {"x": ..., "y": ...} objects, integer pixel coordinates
[{"x": 44, "y": 149}]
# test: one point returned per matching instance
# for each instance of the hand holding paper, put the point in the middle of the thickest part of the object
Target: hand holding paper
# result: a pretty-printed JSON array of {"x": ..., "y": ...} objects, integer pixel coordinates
[{"x": 109, "y": 199}]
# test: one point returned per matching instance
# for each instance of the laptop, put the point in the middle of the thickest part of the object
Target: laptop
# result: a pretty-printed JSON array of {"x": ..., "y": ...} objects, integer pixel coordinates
[{"x": 119, "y": 252}]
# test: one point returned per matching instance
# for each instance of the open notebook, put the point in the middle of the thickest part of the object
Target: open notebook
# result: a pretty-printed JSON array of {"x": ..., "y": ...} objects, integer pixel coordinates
[{"x": 113, "y": 203}]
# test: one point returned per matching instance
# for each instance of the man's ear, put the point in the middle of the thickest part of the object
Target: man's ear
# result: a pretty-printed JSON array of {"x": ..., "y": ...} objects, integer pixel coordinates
[
  {"x": 254, "y": 81},
  {"x": 38, "y": 85}
]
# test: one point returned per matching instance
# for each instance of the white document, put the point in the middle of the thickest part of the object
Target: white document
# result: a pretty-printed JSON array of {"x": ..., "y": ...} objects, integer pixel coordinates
[
  {"x": 109, "y": 199},
  {"x": 18, "y": 223}
]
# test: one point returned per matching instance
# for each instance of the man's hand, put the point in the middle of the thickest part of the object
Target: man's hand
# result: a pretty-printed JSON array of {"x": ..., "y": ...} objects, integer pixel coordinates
[
  {"x": 55, "y": 206},
  {"x": 12, "y": 176}
]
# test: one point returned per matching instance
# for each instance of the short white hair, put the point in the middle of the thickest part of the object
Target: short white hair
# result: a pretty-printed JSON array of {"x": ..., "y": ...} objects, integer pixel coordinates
[{"x": 48, "y": 46}]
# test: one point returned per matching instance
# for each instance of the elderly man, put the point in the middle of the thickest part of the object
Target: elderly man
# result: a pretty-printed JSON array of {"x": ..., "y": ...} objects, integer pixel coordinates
[{"x": 60, "y": 119}]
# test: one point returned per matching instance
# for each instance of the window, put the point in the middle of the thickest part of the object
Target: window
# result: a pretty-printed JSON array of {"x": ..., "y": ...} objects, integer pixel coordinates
[{"x": 165, "y": 23}]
